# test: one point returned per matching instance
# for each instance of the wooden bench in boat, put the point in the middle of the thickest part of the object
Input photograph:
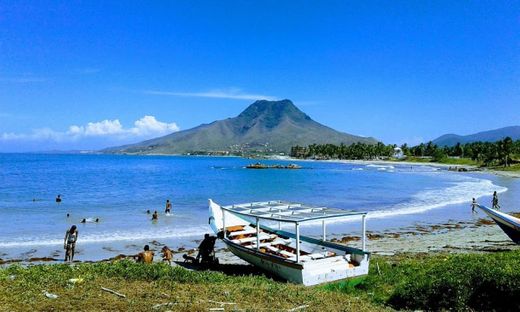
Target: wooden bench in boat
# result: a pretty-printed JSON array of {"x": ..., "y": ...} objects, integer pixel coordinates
[
  {"x": 235, "y": 228},
  {"x": 251, "y": 239},
  {"x": 243, "y": 232},
  {"x": 281, "y": 252},
  {"x": 314, "y": 256},
  {"x": 276, "y": 241}
]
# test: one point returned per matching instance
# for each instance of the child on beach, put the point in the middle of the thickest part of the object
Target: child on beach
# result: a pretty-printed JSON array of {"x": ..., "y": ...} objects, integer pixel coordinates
[
  {"x": 167, "y": 254},
  {"x": 69, "y": 243}
]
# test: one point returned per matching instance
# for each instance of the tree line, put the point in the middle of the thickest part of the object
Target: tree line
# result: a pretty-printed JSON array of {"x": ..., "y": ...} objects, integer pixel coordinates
[{"x": 487, "y": 153}]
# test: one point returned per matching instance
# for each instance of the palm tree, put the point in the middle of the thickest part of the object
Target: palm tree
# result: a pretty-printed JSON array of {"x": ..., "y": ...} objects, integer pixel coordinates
[{"x": 505, "y": 149}]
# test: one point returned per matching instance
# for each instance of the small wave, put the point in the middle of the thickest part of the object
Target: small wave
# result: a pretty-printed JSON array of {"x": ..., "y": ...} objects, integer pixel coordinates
[
  {"x": 380, "y": 167},
  {"x": 459, "y": 193},
  {"x": 115, "y": 236}
]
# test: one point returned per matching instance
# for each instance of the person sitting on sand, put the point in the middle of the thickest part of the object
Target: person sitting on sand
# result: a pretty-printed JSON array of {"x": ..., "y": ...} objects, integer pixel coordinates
[
  {"x": 473, "y": 205},
  {"x": 207, "y": 249},
  {"x": 167, "y": 254},
  {"x": 155, "y": 215},
  {"x": 69, "y": 243},
  {"x": 495, "y": 201},
  {"x": 168, "y": 207},
  {"x": 146, "y": 256},
  {"x": 58, "y": 198}
]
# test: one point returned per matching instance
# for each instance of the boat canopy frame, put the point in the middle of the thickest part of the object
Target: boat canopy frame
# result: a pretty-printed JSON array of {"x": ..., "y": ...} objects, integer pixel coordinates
[{"x": 291, "y": 212}]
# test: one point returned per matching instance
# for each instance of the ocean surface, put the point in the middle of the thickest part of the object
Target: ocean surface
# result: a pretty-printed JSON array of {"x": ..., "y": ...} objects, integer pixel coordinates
[{"x": 120, "y": 189}]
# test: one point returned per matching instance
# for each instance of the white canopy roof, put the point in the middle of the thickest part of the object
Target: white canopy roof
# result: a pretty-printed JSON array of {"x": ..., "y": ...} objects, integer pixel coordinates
[{"x": 278, "y": 210}]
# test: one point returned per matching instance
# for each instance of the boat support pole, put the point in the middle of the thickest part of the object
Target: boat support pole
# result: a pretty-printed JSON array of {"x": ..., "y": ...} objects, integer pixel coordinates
[
  {"x": 297, "y": 242},
  {"x": 363, "y": 230},
  {"x": 324, "y": 230},
  {"x": 257, "y": 233},
  {"x": 224, "y": 222}
]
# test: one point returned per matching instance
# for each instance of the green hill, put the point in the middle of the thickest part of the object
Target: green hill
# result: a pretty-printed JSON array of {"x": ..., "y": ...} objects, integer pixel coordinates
[{"x": 485, "y": 136}]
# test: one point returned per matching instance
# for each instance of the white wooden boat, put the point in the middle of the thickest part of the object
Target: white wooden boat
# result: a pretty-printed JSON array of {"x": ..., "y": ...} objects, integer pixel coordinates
[
  {"x": 291, "y": 256},
  {"x": 509, "y": 224}
]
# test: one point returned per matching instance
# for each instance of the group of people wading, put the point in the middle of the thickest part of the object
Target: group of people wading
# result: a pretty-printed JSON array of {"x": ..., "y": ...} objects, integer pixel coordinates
[{"x": 206, "y": 250}]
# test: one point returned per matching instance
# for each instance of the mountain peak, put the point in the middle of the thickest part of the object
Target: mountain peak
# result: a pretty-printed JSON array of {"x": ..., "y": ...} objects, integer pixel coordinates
[{"x": 273, "y": 112}]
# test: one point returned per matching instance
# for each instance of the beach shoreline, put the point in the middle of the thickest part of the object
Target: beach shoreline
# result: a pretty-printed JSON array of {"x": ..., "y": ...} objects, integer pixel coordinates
[
  {"x": 480, "y": 235},
  {"x": 474, "y": 169}
]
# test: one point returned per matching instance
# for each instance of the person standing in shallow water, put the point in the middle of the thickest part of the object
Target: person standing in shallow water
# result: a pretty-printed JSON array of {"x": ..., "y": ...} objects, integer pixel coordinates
[
  {"x": 495, "y": 201},
  {"x": 69, "y": 243},
  {"x": 473, "y": 205},
  {"x": 155, "y": 216},
  {"x": 58, "y": 199},
  {"x": 168, "y": 206}
]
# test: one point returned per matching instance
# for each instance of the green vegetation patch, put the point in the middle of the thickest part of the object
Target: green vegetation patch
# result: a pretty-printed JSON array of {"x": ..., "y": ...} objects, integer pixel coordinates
[
  {"x": 442, "y": 282},
  {"x": 158, "y": 287}
]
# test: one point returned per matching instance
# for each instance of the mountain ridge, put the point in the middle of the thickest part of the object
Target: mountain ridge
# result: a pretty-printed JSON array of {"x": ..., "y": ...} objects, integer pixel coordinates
[
  {"x": 271, "y": 126},
  {"x": 484, "y": 136}
]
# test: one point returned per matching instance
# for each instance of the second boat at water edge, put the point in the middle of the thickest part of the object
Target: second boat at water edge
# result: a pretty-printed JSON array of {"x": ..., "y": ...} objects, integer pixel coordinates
[
  {"x": 509, "y": 224},
  {"x": 291, "y": 256}
]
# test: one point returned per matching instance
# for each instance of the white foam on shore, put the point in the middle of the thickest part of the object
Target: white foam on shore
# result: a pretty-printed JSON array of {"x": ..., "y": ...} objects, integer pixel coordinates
[
  {"x": 115, "y": 236},
  {"x": 459, "y": 192},
  {"x": 380, "y": 167}
]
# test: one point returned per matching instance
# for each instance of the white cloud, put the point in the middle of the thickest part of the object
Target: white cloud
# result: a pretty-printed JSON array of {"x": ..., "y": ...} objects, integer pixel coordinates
[
  {"x": 101, "y": 128},
  {"x": 149, "y": 125},
  {"x": 144, "y": 128},
  {"x": 233, "y": 94}
]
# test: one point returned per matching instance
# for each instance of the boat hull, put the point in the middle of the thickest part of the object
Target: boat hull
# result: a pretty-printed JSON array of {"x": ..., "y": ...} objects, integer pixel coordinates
[{"x": 509, "y": 224}]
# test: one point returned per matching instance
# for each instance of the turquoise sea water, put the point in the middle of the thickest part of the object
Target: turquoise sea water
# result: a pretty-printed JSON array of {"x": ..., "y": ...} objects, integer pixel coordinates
[{"x": 119, "y": 189}]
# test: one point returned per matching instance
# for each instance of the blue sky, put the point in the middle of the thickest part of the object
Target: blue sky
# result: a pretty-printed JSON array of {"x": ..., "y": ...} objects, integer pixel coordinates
[{"x": 88, "y": 75}]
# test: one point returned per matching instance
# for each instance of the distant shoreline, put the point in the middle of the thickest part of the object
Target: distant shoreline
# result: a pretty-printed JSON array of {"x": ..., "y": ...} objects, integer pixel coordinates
[{"x": 507, "y": 174}]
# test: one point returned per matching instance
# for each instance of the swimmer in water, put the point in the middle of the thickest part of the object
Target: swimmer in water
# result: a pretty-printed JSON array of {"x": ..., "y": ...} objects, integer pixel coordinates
[
  {"x": 155, "y": 215},
  {"x": 168, "y": 207},
  {"x": 83, "y": 220}
]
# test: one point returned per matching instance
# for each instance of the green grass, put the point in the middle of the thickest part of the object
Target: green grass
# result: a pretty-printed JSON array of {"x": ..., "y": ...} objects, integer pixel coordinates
[
  {"x": 147, "y": 285},
  {"x": 409, "y": 282},
  {"x": 512, "y": 168},
  {"x": 446, "y": 160},
  {"x": 441, "y": 282}
]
